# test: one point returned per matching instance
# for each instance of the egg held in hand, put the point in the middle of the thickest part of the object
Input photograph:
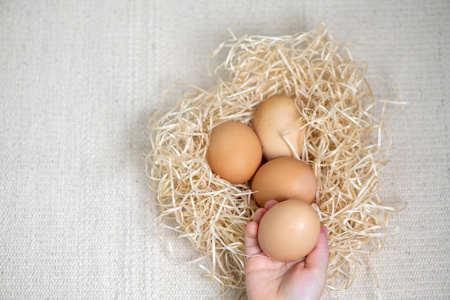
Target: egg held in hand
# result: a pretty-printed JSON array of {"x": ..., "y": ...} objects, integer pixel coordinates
[
  {"x": 284, "y": 178},
  {"x": 289, "y": 231},
  {"x": 234, "y": 152}
]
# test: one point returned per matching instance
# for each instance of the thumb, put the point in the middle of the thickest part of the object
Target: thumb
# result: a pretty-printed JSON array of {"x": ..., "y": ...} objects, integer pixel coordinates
[{"x": 317, "y": 259}]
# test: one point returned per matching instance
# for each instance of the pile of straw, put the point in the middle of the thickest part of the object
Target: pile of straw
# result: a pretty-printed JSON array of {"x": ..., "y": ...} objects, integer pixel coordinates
[{"x": 344, "y": 144}]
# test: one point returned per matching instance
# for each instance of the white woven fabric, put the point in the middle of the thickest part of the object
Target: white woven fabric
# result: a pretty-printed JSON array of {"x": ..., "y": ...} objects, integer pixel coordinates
[{"x": 79, "y": 81}]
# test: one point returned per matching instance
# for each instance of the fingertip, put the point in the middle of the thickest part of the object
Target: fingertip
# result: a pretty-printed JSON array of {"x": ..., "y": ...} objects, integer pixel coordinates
[
  {"x": 269, "y": 204},
  {"x": 318, "y": 258},
  {"x": 251, "y": 240},
  {"x": 322, "y": 242},
  {"x": 324, "y": 230},
  {"x": 259, "y": 213},
  {"x": 251, "y": 230}
]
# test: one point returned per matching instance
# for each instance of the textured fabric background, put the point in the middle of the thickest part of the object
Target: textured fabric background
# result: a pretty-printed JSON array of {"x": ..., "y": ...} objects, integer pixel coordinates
[{"x": 79, "y": 81}]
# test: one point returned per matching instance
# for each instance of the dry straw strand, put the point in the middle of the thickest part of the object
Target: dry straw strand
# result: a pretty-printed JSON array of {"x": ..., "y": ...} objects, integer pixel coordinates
[{"x": 346, "y": 143}]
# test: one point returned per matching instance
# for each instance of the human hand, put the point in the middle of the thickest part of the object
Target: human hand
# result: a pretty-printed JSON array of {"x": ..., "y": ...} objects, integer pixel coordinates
[{"x": 270, "y": 279}]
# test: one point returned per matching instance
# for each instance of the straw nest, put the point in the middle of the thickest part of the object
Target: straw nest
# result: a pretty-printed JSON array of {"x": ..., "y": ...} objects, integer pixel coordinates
[{"x": 344, "y": 145}]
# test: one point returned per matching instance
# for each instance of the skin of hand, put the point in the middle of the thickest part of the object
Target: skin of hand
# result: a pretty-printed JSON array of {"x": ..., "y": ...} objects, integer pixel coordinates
[{"x": 270, "y": 279}]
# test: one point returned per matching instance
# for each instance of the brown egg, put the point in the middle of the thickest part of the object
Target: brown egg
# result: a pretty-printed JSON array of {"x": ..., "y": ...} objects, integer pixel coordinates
[
  {"x": 277, "y": 119},
  {"x": 284, "y": 178},
  {"x": 234, "y": 152},
  {"x": 289, "y": 230}
]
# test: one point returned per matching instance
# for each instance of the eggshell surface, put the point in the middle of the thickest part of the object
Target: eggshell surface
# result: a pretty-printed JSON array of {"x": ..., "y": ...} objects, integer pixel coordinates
[
  {"x": 277, "y": 119},
  {"x": 234, "y": 152},
  {"x": 284, "y": 178},
  {"x": 289, "y": 230}
]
